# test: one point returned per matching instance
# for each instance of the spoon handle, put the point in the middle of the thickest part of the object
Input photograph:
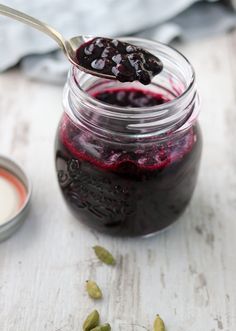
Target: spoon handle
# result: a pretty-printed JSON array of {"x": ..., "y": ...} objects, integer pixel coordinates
[{"x": 19, "y": 16}]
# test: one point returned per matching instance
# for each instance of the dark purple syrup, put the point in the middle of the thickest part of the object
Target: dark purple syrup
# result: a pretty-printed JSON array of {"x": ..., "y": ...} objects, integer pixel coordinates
[
  {"x": 124, "y": 61},
  {"x": 126, "y": 191}
]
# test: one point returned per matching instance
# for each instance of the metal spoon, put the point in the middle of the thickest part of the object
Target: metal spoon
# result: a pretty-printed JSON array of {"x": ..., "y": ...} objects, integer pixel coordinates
[{"x": 69, "y": 47}]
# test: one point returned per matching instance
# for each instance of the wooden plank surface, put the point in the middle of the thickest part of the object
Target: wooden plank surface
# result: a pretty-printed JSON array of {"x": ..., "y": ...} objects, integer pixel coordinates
[{"x": 186, "y": 274}]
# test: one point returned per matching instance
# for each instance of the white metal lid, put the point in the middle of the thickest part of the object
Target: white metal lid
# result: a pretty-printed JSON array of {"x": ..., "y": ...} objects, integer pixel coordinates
[{"x": 15, "y": 194}]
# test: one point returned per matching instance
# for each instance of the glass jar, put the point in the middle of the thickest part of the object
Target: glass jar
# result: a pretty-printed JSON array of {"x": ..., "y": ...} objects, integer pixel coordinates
[{"x": 130, "y": 170}]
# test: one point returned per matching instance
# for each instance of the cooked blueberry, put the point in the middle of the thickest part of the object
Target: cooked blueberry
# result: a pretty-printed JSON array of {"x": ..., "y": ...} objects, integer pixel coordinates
[
  {"x": 98, "y": 64},
  {"x": 143, "y": 77},
  {"x": 108, "y": 52},
  {"x": 117, "y": 58},
  {"x": 99, "y": 42},
  {"x": 89, "y": 50},
  {"x": 115, "y": 42},
  {"x": 130, "y": 49}
]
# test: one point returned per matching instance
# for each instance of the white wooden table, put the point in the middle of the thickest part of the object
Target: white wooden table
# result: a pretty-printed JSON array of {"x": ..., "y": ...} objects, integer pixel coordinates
[{"x": 186, "y": 274}]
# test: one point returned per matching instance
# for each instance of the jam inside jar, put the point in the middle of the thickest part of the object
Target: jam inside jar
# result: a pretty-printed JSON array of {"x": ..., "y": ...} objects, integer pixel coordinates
[{"x": 127, "y": 155}]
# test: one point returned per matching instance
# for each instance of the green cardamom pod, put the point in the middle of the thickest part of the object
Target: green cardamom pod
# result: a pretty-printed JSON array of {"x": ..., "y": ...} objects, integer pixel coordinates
[
  {"x": 159, "y": 324},
  {"x": 104, "y": 255},
  {"x": 93, "y": 290},
  {"x": 91, "y": 321},
  {"x": 104, "y": 327}
]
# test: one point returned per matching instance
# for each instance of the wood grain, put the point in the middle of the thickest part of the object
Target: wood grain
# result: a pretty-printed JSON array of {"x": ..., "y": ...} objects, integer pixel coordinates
[{"x": 186, "y": 274}]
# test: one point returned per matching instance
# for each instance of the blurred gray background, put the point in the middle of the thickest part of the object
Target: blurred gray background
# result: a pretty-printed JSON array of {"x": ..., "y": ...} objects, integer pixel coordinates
[{"x": 38, "y": 56}]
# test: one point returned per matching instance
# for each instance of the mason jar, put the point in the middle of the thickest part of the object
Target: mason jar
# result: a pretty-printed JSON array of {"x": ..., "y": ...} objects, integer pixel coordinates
[{"x": 127, "y": 155}]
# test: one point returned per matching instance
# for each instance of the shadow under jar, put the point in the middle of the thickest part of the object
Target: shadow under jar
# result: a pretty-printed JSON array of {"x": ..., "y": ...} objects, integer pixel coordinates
[{"x": 127, "y": 155}]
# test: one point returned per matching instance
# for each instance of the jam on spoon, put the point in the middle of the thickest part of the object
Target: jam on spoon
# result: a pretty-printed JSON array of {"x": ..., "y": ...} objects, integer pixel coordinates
[{"x": 124, "y": 61}]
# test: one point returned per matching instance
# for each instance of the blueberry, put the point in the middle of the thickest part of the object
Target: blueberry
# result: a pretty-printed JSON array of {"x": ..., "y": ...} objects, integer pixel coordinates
[
  {"x": 108, "y": 52},
  {"x": 130, "y": 49},
  {"x": 115, "y": 42},
  {"x": 99, "y": 42},
  {"x": 117, "y": 58},
  {"x": 143, "y": 77},
  {"x": 89, "y": 49},
  {"x": 98, "y": 64}
]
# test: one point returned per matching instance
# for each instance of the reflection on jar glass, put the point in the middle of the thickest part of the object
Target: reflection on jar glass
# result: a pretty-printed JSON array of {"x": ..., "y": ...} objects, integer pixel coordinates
[{"x": 127, "y": 155}]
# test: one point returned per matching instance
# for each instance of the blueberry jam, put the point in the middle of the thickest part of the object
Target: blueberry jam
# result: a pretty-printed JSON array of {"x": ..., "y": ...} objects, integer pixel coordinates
[
  {"x": 126, "y": 190},
  {"x": 124, "y": 61},
  {"x": 130, "y": 98}
]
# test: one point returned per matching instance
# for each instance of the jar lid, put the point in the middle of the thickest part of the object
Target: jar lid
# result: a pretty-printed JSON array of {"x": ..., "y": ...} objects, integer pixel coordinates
[{"x": 15, "y": 194}]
